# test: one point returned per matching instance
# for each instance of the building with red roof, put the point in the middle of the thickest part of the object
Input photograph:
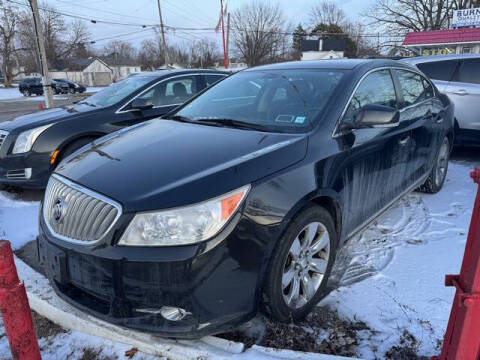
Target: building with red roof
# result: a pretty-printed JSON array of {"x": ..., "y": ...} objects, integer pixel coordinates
[{"x": 442, "y": 42}]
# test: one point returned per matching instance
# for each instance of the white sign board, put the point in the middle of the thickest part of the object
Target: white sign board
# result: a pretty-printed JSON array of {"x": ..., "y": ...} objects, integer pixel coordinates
[{"x": 466, "y": 17}]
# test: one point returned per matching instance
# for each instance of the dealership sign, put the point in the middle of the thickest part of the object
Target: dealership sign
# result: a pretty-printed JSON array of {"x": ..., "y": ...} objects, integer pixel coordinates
[{"x": 466, "y": 17}]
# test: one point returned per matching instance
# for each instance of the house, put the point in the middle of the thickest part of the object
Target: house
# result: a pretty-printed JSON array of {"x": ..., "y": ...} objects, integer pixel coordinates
[
  {"x": 322, "y": 49},
  {"x": 95, "y": 71},
  {"x": 121, "y": 66},
  {"x": 91, "y": 71}
]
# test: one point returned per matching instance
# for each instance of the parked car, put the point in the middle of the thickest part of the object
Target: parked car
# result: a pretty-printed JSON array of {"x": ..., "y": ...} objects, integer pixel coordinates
[
  {"x": 72, "y": 87},
  {"x": 31, "y": 146},
  {"x": 458, "y": 76},
  {"x": 33, "y": 86},
  {"x": 240, "y": 198}
]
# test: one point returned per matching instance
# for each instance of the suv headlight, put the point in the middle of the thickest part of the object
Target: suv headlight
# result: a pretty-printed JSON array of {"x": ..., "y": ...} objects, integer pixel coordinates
[
  {"x": 185, "y": 225},
  {"x": 27, "y": 138}
]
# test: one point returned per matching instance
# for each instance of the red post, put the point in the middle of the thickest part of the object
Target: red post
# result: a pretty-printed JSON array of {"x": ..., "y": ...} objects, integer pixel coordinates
[
  {"x": 225, "y": 61},
  {"x": 40, "y": 106},
  {"x": 17, "y": 318},
  {"x": 462, "y": 338}
]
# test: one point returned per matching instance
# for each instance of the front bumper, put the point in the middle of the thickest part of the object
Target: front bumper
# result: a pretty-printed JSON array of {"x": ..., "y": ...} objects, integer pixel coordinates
[
  {"x": 40, "y": 173},
  {"x": 216, "y": 282},
  {"x": 14, "y": 163}
]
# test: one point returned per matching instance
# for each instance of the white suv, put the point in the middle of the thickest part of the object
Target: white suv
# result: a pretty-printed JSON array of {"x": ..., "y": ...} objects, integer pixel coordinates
[{"x": 458, "y": 76}]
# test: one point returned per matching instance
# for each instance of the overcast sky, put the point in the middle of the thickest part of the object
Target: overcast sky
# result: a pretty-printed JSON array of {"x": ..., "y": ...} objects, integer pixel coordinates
[{"x": 179, "y": 13}]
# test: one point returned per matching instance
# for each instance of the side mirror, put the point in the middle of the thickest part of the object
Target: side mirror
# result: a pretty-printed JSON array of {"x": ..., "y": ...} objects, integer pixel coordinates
[
  {"x": 141, "y": 104},
  {"x": 372, "y": 116}
]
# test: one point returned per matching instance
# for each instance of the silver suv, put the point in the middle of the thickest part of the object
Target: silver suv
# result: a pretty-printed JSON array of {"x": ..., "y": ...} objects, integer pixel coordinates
[{"x": 458, "y": 76}]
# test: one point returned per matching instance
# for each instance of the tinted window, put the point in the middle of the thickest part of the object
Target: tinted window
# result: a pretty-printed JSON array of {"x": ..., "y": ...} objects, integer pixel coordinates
[
  {"x": 118, "y": 91},
  {"x": 439, "y": 70},
  {"x": 210, "y": 79},
  {"x": 412, "y": 87},
  {"x": 174, "y": 91},
  {"x": 469, "y": 72},
  {"x": 281, "y": 100},
  {"x": 377, "y": 88}
]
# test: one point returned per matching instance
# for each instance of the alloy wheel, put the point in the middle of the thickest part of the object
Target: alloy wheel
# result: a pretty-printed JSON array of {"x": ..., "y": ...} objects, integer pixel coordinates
[
  {"x": 305, "y": 265},
  {"x": 442, "y": 164}
]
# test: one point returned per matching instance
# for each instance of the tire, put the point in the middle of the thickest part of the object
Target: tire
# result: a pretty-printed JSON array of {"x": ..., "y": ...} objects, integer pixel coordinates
[
  {"x": 436, "y": 179},
  {"x": 72, "y": 147},
  {"x": 279, "y": 300},
  {"x": 71, "y": 91},
  {"x": 26, "y": 93}
]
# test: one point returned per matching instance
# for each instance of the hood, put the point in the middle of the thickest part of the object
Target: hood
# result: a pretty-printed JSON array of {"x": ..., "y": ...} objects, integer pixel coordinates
[
  {"x": 162, "y": 164},
  {"x": 40, "y": 118}
]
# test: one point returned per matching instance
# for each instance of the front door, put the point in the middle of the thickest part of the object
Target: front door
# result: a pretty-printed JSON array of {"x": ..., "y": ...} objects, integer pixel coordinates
[
  {"x": 464, "y": 91},
  {"x": 372, "y": 170},
  {"x": 165, "y": 96}
]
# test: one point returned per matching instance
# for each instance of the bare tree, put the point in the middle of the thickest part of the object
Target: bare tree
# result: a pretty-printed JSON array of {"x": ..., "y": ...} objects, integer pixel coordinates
[
  {"x": 258, "y": 32},
  {"x": 121, "y": 48},
  {"x": 328, "y": 13},
  {"x": 8, "y": 25},
  {"x": 203, "y": 53},
  {"x": 415, "y": 15}
]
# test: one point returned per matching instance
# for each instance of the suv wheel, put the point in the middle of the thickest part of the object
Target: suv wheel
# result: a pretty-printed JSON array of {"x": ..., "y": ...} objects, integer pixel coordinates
[
  {"x": 71, "y": 91},
  {"x": 26, "y": 92},
  {"x": 300, "y": 265},
  {"x": 436, "y": 179}
]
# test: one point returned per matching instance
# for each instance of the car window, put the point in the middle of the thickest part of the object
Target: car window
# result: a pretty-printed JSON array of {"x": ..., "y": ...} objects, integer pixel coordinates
[
  {"x": 118, "y": 91},
  {"x": 174, "y": 91},
  {"x": 413, "y": 87},
  {"x": 439, "y": 70},
  {"x": 375, "y": 89},
  {"x": 279, "y": 100},
  {"x": 211, "y": 79},
  {"x": 469, "y": 72}
]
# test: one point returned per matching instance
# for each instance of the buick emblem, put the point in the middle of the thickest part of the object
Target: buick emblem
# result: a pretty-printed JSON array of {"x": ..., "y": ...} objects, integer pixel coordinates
[{"x": 59, "y": 209}]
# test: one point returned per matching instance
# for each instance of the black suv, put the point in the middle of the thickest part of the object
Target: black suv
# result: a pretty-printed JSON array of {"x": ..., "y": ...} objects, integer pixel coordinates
[
  {"x": 72, "y": 87},
  {"x": 240, "y": 200},
  {"x": 33, "y": 86},
  {"x": 32, "y": 145}
]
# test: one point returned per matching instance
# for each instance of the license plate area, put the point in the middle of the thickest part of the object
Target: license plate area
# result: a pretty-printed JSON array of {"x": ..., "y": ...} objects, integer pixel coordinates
[{"x": 56, "y": 265}]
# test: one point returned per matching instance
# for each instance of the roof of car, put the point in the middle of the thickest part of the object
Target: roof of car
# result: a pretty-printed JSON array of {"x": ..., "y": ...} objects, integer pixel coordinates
[
  {"x": 341, "y": 64},
  {"x": 178, "y": 72},
  {"x": 433, "y": 58}
]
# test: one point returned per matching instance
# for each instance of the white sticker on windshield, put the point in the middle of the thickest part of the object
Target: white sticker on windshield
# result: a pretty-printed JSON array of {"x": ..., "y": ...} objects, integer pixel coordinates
[{"x": 300, "y": 119}]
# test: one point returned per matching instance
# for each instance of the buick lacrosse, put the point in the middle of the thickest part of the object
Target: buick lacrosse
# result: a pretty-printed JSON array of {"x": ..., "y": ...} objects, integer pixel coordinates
[{"x": 239, "y": 200}]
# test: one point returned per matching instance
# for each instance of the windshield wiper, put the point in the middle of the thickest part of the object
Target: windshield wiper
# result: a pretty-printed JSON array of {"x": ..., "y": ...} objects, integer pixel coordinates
[
  {"x": 234, "y": 123},
  {"x": 87, "y": 103},
  {"x": 177, "y": 118}
]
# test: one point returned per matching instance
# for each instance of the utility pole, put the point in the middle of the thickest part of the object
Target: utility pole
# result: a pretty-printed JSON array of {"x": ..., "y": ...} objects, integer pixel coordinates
[
  {"x": 228, "y": 40},
  {"x": 225, "y": 62},
  {"x": 47, "y": 89},
  {"x": 163, "y": 34}
]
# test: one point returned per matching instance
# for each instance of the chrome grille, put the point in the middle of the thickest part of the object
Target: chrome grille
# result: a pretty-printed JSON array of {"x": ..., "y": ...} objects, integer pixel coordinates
[
  {"x": 76, "y": 214},
  {"x": 3, "y": 136}
]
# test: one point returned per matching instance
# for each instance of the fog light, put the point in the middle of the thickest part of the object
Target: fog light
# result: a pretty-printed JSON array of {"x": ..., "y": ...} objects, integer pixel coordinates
[{"x": 173, "y": 313}]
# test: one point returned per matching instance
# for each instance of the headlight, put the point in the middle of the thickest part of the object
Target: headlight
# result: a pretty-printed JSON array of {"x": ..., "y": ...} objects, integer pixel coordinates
[
  {"x": 27, "y": 138},
  {"x": 185, "y": 225}
]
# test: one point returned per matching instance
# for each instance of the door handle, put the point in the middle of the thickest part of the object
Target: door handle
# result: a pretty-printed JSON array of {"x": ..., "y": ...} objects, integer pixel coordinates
[
  {"x": 461, "y": 92},
  {"x": 404, "y": 140}
]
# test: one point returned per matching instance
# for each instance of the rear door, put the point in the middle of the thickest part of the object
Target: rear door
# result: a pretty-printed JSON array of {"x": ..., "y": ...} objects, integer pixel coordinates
[
  {"x": 464, "y": 91},
  {"x": 416, "y": 113}
]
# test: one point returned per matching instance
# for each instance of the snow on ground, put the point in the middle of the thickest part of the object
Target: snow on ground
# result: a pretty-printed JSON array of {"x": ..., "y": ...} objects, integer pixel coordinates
[
  {"x": 391, "y": 276},
  {"x": 14, "y": 94}
]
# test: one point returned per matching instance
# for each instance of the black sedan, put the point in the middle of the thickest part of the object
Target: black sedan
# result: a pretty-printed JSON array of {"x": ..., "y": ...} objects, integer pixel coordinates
[
  {"x": 32, "y": 145},
  {"x": 240, "y": 201},
  {"x": 71, "y": 86}
]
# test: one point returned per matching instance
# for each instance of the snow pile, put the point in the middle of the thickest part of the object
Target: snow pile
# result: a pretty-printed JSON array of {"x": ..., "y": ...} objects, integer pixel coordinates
[
  {"x": 390, "y": 276},
  {"x": 9, "y": 94}
]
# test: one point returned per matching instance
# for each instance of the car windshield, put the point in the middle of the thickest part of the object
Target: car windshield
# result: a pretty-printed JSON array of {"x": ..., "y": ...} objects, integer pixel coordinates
[
  {"x": 117, "y": 91},
  {"x": 276, "y": 100}
]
